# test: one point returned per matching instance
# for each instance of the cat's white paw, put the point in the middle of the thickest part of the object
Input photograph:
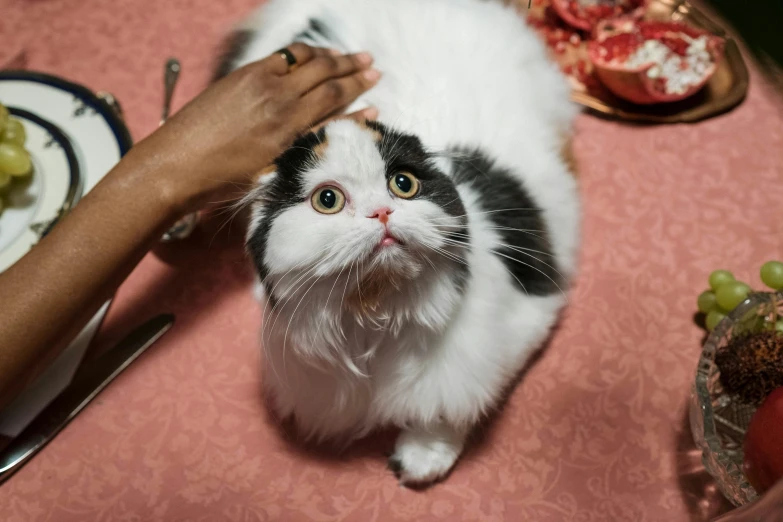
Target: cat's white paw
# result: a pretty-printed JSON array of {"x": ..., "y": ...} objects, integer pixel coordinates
[{"x": 423, "y": 457}]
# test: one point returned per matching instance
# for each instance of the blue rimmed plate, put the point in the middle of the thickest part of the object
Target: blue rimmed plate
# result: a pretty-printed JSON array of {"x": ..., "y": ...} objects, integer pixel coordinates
[{"x": 74, "y": 139}]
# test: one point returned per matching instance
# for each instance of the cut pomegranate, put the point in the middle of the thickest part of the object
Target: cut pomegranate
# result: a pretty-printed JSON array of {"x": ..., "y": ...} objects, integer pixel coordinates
[
  {"x": 649, "y": 62},
  {"x": 567, "y": 44},
  {"x": 586, "y": 14},
  {"x": 608, "y": 28}
]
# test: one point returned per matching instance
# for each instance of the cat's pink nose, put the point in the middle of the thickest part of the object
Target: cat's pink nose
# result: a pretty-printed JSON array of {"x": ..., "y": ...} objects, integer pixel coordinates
[{"x": 381, "y": 214}]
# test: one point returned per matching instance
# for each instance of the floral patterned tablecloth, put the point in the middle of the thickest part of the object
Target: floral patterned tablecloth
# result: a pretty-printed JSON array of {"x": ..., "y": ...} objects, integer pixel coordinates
[{"x": 597, "y": 430}]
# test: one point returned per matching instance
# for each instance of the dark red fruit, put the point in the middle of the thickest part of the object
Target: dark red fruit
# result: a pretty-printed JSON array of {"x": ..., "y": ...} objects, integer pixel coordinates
[
  {"x": 586, "y": 14},
  {"x": 763, "y": 463},
  {"x": 649, "y": 62}
]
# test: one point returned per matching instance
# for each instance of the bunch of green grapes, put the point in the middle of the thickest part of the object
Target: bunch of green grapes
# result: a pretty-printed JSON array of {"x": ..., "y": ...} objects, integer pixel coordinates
[
  {"x": 726, "y": 293},
  {"x": 14, "y": 159}
]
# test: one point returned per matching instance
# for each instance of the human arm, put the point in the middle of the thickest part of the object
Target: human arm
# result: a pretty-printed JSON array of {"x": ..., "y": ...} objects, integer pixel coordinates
[{"x": 232, "y": 130}]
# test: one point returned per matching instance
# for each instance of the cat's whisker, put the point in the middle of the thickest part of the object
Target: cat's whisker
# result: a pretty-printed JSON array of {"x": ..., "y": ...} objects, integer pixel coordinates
[
  {"x": 280, "y": 305},
  {"x": 271, "y": 293},
  {"x": 498, "y": 243},
  {"x": 451, "y": 256},
  {"x": 347, "y": 280},
  {"x": 537, "y": 270},
  {"x": 240, "y": 185},
  {"x": 515, "y": 278},
  {"x": 445, "y": 253},
  {"x": 267, "y": 330},
  {"x": 328, "y": 297},
  {"x": 293, "y": 314},
  {"x": 359, "y": 290},
  {"x": 505, "y": 268},
  {"x": 516, "y": 249},
  {"x": 268, "y": 309},
  {"x": 231, "y": 202},
  {"x": 312, "y": 276},
  {"x": 452, "y": 201},
  {"x": 429, "y": 261},
  {"x": 297, "y": 266},
  {"x": 234, "y": 212},
  {"x": 483, "y": 212},
  {"x": 530, "y": 232}
]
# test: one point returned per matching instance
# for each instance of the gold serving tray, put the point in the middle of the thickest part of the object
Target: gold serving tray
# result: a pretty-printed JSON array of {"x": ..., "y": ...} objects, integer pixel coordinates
[{"x": 725, "y": 90}]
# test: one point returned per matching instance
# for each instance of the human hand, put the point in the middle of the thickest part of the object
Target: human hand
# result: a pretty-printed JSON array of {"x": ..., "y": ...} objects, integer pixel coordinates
[{"x": 240, "y": 124}]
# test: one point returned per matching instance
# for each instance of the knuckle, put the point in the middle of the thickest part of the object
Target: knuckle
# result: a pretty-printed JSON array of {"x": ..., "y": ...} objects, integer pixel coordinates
[
  {"x": 326, "y": 64},
  {"x": 333, "y": 64},
  {"x": 334, "y": 90},
  {"x": 300, "y": 49}
]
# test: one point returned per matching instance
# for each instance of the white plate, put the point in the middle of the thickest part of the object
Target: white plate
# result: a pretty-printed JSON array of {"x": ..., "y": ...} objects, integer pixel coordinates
[
  {"x": 55, "y": 185},
  {"x": 74, "y": 139}
]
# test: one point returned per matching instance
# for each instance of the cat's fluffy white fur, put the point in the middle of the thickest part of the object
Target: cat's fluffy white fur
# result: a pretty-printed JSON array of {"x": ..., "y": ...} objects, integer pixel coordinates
[{"x": 432, "y": 361}]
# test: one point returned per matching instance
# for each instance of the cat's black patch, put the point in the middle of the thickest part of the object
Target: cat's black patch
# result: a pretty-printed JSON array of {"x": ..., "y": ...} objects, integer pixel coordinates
[
  {"x": 233, "y": 47},
  {"x": 527, "y": 252},
  {"x": 315, "y": 33},
  {"x": 285, "y": 191},
  {"x": 319, "y": 34},
  {"x": 405, "y": 152}
]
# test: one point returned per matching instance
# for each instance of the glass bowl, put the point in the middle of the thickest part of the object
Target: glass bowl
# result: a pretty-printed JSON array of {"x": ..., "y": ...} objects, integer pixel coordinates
[{"x": 718, "y": 420}]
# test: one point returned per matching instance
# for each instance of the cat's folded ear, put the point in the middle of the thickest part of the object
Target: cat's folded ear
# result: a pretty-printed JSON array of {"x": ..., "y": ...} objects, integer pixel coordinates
[
  {"x": 266, "y": 175},
  {"x": 261, "y": 183}
]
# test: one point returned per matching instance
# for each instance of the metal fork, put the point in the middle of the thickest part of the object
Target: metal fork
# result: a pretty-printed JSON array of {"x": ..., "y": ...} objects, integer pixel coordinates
[{"x": 185, "y": 226}]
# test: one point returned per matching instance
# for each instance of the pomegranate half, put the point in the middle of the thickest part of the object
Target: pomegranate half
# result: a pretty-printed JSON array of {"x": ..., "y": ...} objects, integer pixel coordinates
[
  {"x": 648, "y": 62},
  {"x": 586, "y": 14}
]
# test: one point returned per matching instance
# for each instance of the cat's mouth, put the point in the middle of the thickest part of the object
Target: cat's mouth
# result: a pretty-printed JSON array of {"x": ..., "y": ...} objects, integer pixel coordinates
[{"x": 388, "y": 240}]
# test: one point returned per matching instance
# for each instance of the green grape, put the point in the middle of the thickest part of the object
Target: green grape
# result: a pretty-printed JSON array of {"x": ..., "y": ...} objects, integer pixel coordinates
[
  {"x": 713, "y": 318},
  {"x": 730, "y": 294},
  {"x": 14, "y": 132},
  {"x": 14, "y": 160},
  {"x": 772, "y": 274},
  {"x": 779, "y": 325},
  {"x": 5, "y": 182},
  {"x": 3, "y": 116},
  {"x": 719, "y": 277},
  {"x": 706, "y": 302}
]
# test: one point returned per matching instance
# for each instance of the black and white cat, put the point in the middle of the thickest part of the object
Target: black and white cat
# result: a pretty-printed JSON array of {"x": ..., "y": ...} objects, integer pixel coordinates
[{"x": 410, "y": 267}]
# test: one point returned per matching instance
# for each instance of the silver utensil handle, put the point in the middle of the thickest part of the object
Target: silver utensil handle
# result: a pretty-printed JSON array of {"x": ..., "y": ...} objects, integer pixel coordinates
[
  {"x": 82, "y": 390},
  {"x": 170, "y": 77},
  {"x": 185, "y": 226}
]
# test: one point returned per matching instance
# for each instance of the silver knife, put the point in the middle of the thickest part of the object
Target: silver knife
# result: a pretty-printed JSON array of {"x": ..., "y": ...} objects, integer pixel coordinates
[{"x": 84, "y": 388}]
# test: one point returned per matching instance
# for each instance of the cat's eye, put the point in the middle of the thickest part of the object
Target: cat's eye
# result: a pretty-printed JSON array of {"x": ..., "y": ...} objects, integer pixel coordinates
[
  {"x": 328, "y": 200},
  {"x": 404, "y": 185}
]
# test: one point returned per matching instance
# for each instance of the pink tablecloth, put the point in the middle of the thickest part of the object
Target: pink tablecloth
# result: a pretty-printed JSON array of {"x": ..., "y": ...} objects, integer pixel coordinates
[{"x": 596, "y": 431}]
